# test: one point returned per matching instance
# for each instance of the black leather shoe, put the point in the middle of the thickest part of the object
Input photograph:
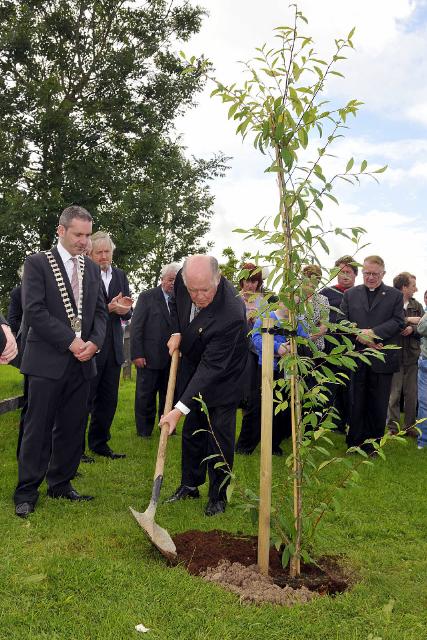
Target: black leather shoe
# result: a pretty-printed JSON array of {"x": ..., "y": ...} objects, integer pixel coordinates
[
  {"x": 277, "y": 451},
  {"x": 87, "y": 459},
  {"x": 214, "y": 507},
  {"x": 107, "y": 453},
  {"x": 69, "y": 495},
  {"x": 243, "y": 451},
  {"x": 182, "y": 493},
  {"x": 23, "y": 509}
]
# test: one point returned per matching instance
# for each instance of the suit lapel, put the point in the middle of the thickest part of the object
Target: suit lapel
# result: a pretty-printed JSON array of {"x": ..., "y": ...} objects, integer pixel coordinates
[
  {"x": 163, "y": 305},
  {"x": 364, "y": 298},
  {"x": 67, "y": 282},
  {"x": 114, "y": 288},
  {"x": 379, "y": 297}
]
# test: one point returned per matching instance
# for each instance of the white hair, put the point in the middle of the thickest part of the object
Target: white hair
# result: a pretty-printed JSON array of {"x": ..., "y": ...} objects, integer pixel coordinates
[{"x": 172, "y": 266}]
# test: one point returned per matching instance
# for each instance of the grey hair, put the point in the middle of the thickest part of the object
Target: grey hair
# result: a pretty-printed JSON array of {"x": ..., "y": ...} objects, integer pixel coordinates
[
  {"x": 172, "y": 266},
  {"x": 102, "y": 235},
  {"x": 216, "y": 274},
  {"x": 74, "y": 211}
]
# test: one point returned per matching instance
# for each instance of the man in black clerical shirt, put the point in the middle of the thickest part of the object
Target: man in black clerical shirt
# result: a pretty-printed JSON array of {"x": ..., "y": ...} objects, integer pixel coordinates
[{"x": 377, "y": 310}]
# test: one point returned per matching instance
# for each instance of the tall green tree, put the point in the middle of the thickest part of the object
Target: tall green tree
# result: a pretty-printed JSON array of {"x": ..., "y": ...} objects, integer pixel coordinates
[{"x": 89, "y": 92}]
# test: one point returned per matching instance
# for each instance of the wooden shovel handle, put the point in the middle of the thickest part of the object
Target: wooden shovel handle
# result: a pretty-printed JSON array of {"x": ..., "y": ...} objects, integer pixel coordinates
[{"x": 164, "y": 434}]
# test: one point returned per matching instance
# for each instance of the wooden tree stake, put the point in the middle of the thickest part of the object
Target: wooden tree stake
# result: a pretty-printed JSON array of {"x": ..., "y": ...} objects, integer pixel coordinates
[{"x": 266, "y": 447}]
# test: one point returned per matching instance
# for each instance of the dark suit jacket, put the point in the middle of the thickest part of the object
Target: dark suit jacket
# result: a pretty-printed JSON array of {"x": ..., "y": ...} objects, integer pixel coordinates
[
  {"x": 114, "y": 332},
  {"x": 385, "y": 317},
  {"x": 49, "y": 335},
  {"x": 214, "y": 346},
  {"x": 14, "y": 314},
  {"x": 2, "y": 336},
  {"x": 151, "y": 329}
]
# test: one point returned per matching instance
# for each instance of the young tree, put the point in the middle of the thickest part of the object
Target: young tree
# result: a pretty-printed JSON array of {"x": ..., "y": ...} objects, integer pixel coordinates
[
  {"x": 89, "y": 93},
  {"x": 281, "y": 105}
]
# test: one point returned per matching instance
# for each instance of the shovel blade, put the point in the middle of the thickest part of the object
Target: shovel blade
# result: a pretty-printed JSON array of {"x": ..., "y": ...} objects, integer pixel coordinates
[{"x": 158, "y": 536}]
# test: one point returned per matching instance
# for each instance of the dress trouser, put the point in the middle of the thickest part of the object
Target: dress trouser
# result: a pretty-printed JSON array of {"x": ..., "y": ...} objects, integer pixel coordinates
[
  {"x": 404, "y": 380},
  {"x": 52, "y": 432},
  {"x": 104, "y": 393},
  {"x": 370, "y": 396},
  {"x": 196, "y": 447},
  {"x": 148, "y": 383},
  {"x": 422, "y": 401}
]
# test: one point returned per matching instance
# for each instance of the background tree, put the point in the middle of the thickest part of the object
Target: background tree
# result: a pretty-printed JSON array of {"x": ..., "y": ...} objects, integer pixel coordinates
[{"x": 89, "y": 93}]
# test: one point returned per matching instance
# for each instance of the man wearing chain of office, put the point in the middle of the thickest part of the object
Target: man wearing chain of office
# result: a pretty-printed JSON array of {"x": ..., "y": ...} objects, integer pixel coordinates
[{"x": 64, "y": 309}]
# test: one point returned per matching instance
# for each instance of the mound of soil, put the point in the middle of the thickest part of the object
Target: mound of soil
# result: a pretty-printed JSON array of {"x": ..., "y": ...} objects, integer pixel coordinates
[{"x": 230, "y": 560}]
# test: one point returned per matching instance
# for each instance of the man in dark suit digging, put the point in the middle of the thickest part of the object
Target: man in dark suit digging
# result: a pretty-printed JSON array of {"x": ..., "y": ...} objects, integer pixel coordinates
[
  {"x": 65, "y": 313},
  {"x": 377, "y": 310},
  {"x": 209, "y": 327}
]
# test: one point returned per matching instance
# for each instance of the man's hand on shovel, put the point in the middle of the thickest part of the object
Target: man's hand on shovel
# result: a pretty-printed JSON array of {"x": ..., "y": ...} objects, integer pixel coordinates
[{"x": 171, "y": 419}]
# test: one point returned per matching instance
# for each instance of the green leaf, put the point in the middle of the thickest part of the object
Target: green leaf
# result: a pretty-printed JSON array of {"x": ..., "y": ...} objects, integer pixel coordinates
[{"x": 350, "y": 164}]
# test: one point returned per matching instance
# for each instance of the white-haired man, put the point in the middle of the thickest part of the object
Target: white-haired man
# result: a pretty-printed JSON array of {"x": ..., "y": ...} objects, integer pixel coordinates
[
  {"x": 150, "y": 331},
  {"x": 104, "y": 389},
  {"x": 210, "y": 328}
]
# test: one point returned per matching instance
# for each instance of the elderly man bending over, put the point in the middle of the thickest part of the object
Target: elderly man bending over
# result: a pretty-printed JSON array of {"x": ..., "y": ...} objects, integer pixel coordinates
[{"x": 209, "y": 327}]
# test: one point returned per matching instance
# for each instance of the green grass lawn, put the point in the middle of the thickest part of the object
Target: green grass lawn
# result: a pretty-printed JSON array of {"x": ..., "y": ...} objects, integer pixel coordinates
[
  {"x": 10, "y": 382},
  {"x": 87, "y": 571}
]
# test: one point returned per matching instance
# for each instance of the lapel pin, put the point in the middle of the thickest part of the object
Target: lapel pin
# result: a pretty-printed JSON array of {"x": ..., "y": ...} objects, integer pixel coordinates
[{"x": 200, "y": 329}]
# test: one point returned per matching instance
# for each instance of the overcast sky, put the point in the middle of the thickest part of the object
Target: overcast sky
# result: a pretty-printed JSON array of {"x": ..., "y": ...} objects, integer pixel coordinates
[{"x": 387, "y": 71}]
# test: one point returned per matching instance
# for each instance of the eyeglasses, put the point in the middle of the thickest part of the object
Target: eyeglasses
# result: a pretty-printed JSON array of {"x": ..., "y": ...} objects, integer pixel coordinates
[{"x": 373, "y": 274}]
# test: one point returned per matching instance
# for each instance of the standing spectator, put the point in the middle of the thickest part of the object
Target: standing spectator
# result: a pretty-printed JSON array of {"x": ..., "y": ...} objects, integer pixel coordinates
[
  {"x": 377, "y": 310},
  {"x": 316, "y": 314},
  {"x": 422, "y": 384},
  {"x": 149, "y": 333},
  {"x": 281, "y": 420},
  {"x": 64, "y": 311},
  {"x": 345, "y": 280},
  {"x": 251, "y": 292},
  {"x": 405, "y": 380},
  {"x": 104, "y": 388},
  {"x": 340, "y": 393},
  {"x": 209, "y": 326}
]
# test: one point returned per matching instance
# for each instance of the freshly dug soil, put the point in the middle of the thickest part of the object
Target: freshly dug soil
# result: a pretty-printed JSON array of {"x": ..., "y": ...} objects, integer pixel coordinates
[{"x": 230, "y": 560}]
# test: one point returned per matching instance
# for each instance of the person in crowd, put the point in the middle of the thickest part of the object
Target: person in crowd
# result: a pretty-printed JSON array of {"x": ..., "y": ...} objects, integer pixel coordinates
[
  {"x": 8, "y": 347},
  {"x": 377, "y": 311},
  {"x": 340, "y": 393},
  {"x": 64, "y": 309},
  {"x": 405, "y": 379},
  {"x": 316, "y": 313},
  {"x": 422, "y": 385},
  {"x": 14, "y": 313},
  {"x": 425, "y": 300},
  {"x": 281, "y": 420},
  {"x": 149, "y": 333},
  {"x": 209, "y": 327},
  {"x": 251, "y": 293},
  {"x": 346, "y": 277},
  {"x": 104, "y": 388}
]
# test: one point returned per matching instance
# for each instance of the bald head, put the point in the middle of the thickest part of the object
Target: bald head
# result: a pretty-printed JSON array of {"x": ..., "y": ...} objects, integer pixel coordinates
[{"x": 201, "y": 277}]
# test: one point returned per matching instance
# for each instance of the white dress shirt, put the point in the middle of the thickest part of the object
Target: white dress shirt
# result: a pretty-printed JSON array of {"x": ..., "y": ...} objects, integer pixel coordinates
[
  {"x": 106, "y": 277},
  {"x": 67, "y": 259}
]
